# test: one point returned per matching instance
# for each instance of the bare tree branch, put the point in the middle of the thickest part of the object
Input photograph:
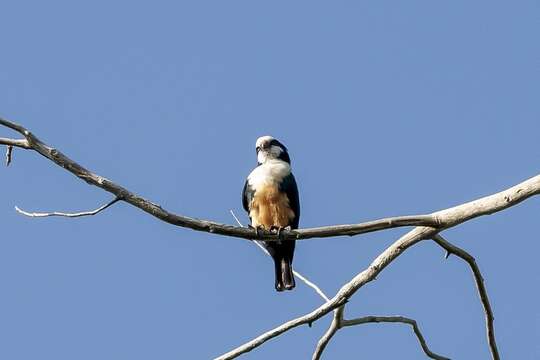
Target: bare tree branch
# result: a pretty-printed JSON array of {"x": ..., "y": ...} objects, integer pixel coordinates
[
  {"x": 22, "y": 143},
  {"x": 338, "y": 323},
  {"x": 443, "y": 219},
  {"x": 11, "y": 125},
  {"x": 32, "y": 142},
  {"x": 71, "y": 215},
  {"x": 335, "y": 325},
  {"x": 482, "y": 292},
  {"x": 396, "y": 319}
]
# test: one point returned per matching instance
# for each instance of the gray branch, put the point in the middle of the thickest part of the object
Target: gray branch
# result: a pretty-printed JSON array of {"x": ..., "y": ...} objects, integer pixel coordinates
[
  {"x": 482, "y": 292},
  {"x": 21, "y": 143},
  {"x": 71, "y": 215},
  {"x": 396, "y": 319},
  {"x": 335, "y": 325},
  {"x": 34, "y": 143}
]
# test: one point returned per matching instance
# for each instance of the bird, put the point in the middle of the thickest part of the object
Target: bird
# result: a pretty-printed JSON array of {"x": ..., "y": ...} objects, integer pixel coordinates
[{"x": 270, "y": 197}]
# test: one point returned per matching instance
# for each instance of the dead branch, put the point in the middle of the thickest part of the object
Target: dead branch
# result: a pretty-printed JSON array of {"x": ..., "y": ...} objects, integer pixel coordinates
[
  {"x": 443, "y": 219},
  {"x": 335, "y": 325},
  {"x": 71, "y": 215},
  {"x": 482, "y": 292},
  {"x": 21, "y": 143},
  {"x": 396, "y": 319},
  {"x": 34, "y": 143}
]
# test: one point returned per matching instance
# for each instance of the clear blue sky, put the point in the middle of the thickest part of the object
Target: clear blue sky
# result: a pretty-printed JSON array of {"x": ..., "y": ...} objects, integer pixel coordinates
[{"x": 388, "y": 108}]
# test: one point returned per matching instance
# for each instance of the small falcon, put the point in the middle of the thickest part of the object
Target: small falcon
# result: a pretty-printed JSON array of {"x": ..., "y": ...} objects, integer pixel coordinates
[{"x": 270, "y": 197}]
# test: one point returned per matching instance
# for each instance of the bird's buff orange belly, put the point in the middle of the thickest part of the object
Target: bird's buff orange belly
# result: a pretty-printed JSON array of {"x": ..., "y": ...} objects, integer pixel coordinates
[{"x": 270, "y": 208}]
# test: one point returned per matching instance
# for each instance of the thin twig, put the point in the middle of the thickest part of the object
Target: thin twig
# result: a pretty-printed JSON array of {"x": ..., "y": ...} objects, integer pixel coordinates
[
  {"x": 311, "y": 285},
  {"x": 71, "y": 215},
  {"x": 296, "y": 273},
  {"x": 396, "y": 319},
  {"x": 482, "y": 292},
  {"x": 9, "y": 153}
]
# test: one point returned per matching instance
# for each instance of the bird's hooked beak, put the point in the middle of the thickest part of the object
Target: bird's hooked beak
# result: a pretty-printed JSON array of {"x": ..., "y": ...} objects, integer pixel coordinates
[{"x": 263, "y": 146}]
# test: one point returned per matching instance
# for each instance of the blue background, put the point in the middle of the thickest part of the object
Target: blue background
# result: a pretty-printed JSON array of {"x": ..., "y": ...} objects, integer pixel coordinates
[{"x": 388, "y": 108}]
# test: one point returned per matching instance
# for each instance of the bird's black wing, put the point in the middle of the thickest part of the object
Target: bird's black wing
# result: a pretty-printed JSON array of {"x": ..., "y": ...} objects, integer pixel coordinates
[
  {"x": 288, "y": 186},
  {"x": 247, "y": 196}
]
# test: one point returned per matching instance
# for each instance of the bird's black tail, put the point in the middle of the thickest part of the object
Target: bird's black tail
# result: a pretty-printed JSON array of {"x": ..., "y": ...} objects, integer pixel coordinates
[
  {"x": 284, "y": 274},
  {"x": 282, "y": 253}
]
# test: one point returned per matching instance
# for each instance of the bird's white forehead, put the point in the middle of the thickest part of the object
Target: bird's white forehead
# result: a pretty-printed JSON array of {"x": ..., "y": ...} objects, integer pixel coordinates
[{"x": 263, "y": 140}]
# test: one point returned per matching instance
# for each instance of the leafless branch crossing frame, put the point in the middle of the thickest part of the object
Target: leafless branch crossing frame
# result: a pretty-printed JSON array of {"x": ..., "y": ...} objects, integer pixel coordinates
[{"x": 425, "y": 227}]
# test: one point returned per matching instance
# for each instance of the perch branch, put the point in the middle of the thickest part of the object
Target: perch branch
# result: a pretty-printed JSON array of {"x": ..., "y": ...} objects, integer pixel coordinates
[
  {"x": 34, "y": 143},
  {"x": 482, "y": 292},
  {"x": 441, "y": 220},
  {"x": 71, "y": 215}
]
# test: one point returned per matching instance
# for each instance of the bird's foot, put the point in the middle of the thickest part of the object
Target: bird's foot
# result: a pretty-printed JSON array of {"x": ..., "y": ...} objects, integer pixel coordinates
[
  {"x": 257, "y": 229},
  {"x": 279, "y": 231}
]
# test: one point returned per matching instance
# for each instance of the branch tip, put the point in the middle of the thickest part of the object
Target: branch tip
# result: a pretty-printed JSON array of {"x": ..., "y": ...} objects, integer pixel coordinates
[{"x": 70, "y": 215}]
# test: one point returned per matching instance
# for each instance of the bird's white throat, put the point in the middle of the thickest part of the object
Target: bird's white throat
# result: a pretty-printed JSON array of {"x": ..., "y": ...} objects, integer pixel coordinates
[{"x": 272, "y": 171}]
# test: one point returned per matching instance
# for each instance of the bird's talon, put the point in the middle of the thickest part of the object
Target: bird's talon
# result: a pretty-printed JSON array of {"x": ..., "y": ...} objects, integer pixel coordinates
[{"x": 257, "y": 230}]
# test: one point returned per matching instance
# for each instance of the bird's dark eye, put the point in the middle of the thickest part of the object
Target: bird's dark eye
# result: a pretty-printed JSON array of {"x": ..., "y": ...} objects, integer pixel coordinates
[{"x": 257, "y": 149}]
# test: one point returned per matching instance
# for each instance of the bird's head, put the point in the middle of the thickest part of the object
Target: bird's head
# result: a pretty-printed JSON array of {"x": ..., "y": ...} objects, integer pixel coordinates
[{"x": 269, "y": 148}]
